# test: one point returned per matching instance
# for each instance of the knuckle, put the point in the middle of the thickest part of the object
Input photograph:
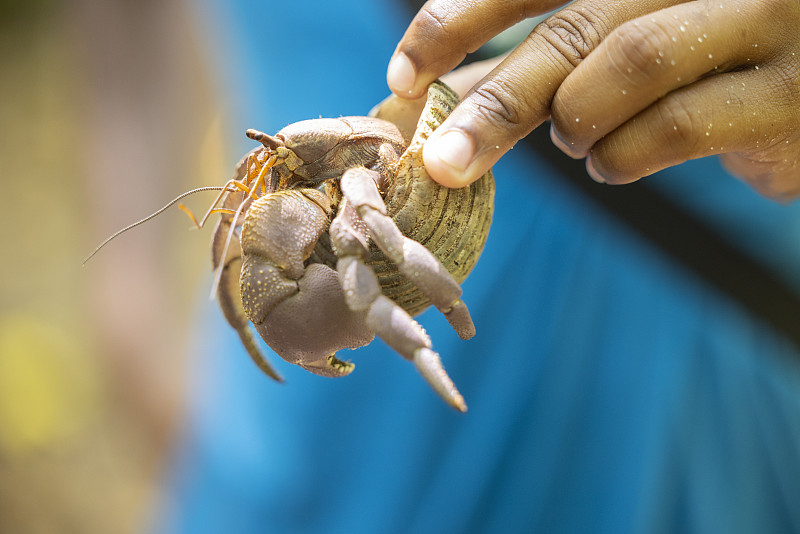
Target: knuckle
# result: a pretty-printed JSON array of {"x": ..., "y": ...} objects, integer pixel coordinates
[
  {"x": 571, "y": 33},
  {"x": 436, "y": 39},
  {"x": 433, "y": 20},
  {"x": 635, "y": 49},
  {"x": 438, "y": 24},
  {"x": 680, "y": 126},
  {"x": 497, "y": 106}
]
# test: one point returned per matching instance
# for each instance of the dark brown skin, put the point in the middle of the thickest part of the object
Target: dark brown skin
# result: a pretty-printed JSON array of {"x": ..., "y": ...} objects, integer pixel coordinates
[{"x": 633, "y": 86}]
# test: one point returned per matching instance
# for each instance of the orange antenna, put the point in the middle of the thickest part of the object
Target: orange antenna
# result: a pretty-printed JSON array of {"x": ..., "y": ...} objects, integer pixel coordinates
[
  {"x": 152, "y": 215},
  {"x": 251, "y": 188}
]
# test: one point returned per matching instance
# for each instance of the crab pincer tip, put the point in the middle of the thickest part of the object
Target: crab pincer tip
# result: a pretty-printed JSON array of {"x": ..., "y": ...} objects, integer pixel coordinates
[{"x": 430, "y": 367}]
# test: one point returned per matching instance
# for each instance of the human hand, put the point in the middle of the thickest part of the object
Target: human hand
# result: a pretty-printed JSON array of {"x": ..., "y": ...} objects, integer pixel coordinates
[{"x": 634, "y": 86}]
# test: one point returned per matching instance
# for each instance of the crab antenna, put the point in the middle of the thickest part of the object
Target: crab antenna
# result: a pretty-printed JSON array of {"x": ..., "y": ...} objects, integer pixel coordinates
[
  {"x": 267, "y": 140},
  {"x": 152, "y": 215}
]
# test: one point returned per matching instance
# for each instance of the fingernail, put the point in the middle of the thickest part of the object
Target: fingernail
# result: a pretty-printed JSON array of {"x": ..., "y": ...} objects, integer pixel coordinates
[
  {"x": 400, "y": 75},
  {"x": 561, "y": 144},
  {"x": 453, "y": 148},
  {"x": 593, "y": 174}
]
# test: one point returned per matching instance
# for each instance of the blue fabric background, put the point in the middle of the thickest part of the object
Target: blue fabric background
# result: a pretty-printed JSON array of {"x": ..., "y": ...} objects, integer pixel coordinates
[{"x": 609, "y": 389}]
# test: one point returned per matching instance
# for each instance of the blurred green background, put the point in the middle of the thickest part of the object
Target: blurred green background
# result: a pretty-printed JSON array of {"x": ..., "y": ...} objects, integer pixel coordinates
[{"x": 107, "y": 111}]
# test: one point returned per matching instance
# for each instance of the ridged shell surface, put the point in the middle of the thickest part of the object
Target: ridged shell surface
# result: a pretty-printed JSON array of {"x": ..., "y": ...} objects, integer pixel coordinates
[{"x": 452, "y": 223}]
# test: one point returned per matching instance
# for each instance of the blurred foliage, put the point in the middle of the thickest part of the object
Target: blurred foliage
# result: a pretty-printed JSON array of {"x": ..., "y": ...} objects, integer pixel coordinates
[
  {"x": 49, "y": 388},
  {"x": 98, "y": 98}
]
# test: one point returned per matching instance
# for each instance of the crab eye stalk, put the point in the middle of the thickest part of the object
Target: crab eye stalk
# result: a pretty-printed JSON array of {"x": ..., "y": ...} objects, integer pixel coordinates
[{"x": 268, "y": 141}]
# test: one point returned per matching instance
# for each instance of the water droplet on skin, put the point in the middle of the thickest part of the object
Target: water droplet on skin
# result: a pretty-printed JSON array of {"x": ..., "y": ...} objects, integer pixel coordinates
[
  {"x": 675, "y": 128},
  {"x": 691, "y": 48},
  {"x": 705, "y": 36},
  {"x": 672, "y": 62},
  {"x": 755, "y": 45},
  {"x": 699, "y": 39},
  {"x": 660, "y": 53},
  {"x": 624, "y": 92},
  {"x": 630, "y": 69},
  {"x": 683, "y": 28},
  {"x": 730, "y": 124},
  {"x": 710, "y": 56},
  {"x": 756, "y": 67},
  {"x": 594, "y": 127},
  {"x": 679, "y": 78},
  {"x": 658, "y": 61},
  {"x": 577, "y": 120},
  {"x": 674, "y": 39},
  {"x": 708, "y": 133}
]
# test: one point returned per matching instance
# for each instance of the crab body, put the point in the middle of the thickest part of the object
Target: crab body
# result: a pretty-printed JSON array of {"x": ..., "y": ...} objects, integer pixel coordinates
[{"x": 339, "y": 234}]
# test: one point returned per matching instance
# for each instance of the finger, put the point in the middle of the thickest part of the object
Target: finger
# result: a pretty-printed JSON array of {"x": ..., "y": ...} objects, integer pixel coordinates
[
  {"x": 444, "y": 31},
  {"x": 404, "y": 113},
  {"x": 462, "y": 79},
  {"x": 646, "y": 58},
  {"x": 515, "y": 97},
  {"x": 724, "y": 113}
]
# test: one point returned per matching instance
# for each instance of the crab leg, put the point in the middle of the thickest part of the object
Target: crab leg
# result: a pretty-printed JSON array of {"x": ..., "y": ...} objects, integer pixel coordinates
[
  {"x": 231, "y": 303},
  {"x": 413, "y": 259},
  {"x": 388, "y": 320}
]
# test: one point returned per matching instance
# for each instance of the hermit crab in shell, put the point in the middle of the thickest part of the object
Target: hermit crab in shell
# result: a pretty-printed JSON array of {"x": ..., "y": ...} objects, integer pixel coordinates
[{"x": 332, "y": 232}]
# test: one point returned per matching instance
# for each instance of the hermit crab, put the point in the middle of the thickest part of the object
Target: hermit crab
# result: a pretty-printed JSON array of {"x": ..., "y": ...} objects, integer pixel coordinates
[
  {"x": 332, "y": 232},
  {"x": 344, "y": 236}
]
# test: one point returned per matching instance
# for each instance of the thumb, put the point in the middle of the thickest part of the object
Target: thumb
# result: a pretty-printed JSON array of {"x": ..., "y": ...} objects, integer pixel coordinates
[
  {"x": 480, "y": 130},
  {"x": 502, "y": 108}
]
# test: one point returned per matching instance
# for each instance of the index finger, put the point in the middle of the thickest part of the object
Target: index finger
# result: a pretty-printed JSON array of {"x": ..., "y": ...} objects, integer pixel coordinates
[
  {"x": 444, "y": 31},
  {"x": 516, "y": 96}
]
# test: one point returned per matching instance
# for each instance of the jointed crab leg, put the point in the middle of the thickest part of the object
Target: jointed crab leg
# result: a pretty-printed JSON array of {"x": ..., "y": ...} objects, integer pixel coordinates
[
  {"x": 414, "y": 260},
  {"x": 363, "y": 293}
]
